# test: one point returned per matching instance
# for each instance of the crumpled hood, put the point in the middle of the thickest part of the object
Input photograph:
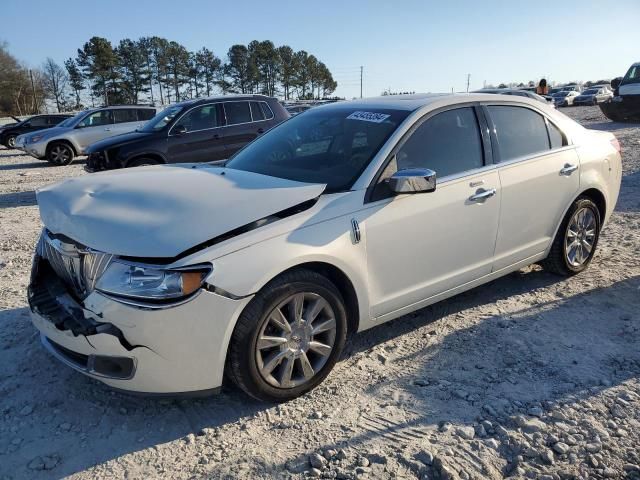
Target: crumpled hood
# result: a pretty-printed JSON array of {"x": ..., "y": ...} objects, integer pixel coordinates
[
  {"x": 116, "y": 140},
  {"x": 164, "y": 210}
]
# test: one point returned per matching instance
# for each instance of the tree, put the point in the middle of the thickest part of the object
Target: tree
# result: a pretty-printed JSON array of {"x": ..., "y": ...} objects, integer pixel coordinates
[
  {"x": 288, "y": 68},
  {"x": 177, "y": 67},
  {"x": 239, "y": 68},
  {"x": 159, "y": 47},
  {"x": 55, "y": 81},
  {"x": 132, "y": 69},
  {"x": 76, "y": 79},
  {"x": 21, "y": 90},
  {"x": 210, "y": 67},
  {"x": 99, "y": 63}
]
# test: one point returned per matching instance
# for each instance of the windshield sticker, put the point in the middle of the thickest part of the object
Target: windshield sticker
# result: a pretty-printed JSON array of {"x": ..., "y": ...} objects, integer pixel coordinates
[{"x": 368, "y": 117}]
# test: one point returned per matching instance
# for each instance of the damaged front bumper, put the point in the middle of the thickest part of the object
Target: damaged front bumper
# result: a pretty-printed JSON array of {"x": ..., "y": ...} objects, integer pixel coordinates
[{"x": 170, "y": 350}]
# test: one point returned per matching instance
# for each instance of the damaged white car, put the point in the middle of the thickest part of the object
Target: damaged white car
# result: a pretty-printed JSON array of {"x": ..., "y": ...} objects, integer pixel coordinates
[{"x": 163, "y": 279}]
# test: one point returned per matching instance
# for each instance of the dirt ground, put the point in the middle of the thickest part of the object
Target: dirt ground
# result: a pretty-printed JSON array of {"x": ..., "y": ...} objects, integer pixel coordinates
[{"x": 530, "y": 376}]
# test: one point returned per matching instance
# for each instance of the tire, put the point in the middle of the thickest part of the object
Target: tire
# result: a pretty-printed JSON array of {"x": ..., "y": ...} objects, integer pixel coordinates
[
  {"x": 142, "y": 162},
  {"x": 60, "y": 154},
  {"x": 11, "y": 141},
  {"x": 262, "y": 371},
  {"x": 559, "y": 260}
]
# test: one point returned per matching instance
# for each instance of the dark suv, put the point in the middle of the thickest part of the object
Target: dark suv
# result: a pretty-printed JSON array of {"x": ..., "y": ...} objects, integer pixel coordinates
[
  {"x": 39, "y": 122},
  {"x": 194, "y": 131}
]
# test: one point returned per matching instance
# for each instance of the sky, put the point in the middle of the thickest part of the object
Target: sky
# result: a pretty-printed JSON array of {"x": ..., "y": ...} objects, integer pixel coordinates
[{"x": 422, "y": 46}]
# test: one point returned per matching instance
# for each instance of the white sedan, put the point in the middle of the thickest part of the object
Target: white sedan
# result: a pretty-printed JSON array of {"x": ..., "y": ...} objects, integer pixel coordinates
[
  {"x": 564, "y": 98},
  {"x": 161, "y": 279}
]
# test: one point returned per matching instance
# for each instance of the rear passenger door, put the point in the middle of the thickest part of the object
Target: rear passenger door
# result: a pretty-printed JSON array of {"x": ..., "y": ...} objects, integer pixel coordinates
[
  {"x": 240, "y": 129},
  {"x": 125, "y": 120},
  {"x": 539, "y": 177},
  {"x": 197, "y": 136}
]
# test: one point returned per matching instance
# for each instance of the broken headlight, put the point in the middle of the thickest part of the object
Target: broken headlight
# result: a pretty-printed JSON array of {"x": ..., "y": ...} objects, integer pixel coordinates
[{"x": 151, "y": 282}]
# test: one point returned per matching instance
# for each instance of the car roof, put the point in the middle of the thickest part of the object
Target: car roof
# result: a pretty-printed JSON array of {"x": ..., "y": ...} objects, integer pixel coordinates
[
  {"x": 416, "y": 101},
  {"x": 218, "y": 98}
]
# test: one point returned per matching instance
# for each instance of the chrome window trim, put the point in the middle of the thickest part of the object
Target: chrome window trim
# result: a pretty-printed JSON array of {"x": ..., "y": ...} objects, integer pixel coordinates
[{"x": 194, "y": 131}]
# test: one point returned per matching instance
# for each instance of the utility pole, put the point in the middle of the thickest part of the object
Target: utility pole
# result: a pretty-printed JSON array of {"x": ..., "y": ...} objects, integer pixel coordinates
[
  {"x": 468, "y": 80},
  {"x": 33, "y": 90},
  {"x": 361, "y": 68}
]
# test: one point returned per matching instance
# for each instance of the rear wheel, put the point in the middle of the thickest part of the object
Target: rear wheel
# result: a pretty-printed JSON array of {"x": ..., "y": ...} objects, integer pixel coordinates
[
  {"x": 60, "y": 154},
  {"x": 288, "y": 338},
  {"x": 11, "y": 141},
  {"x": 576, "y": 240}
]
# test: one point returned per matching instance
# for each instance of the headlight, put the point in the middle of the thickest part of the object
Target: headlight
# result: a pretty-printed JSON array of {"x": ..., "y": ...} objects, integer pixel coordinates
[
  {"x": 151, "y": 282},
  {"x": 36, "y": 138}
]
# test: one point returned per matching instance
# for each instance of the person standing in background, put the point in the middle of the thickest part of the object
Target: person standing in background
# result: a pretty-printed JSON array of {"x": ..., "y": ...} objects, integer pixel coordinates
[{"x": 542, "y": 88}]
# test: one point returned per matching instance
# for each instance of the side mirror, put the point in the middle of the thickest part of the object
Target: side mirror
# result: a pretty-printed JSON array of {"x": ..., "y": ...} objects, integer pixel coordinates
[
  {"x": 179, "y": 130},
  {"x": 413, "y": 180}
]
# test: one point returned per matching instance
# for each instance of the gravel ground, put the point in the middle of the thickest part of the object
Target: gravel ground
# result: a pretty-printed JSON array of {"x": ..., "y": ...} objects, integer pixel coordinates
[{"x": 530, "y": 376}]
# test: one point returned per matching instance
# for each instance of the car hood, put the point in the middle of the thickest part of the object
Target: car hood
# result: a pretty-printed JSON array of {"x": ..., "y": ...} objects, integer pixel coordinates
[
  {"x": 47, "y": 132},
  {"x": 117, "y": 141},
  {"x": 162, "y": 211}
]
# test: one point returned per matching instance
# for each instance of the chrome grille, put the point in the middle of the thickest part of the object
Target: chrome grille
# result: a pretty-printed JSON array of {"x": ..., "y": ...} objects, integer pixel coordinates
[{"x": 78, "y": 267}]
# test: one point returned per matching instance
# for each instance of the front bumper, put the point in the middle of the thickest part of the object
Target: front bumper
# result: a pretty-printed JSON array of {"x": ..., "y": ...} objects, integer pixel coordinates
[
  {"x": 145, "y": 350},
  {"x": 37, "y": 150}
]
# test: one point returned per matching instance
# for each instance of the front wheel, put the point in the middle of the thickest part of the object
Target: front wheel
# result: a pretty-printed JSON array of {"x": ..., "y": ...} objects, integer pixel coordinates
[
  {"x": 60, "y": 154},
  {"x": 288, "y": 338},
  {"x": 576, "y": 240}
]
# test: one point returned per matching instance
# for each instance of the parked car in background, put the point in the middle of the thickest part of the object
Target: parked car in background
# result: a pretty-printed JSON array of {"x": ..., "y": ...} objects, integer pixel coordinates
[
  {"x": 572, "y": 88},
  {"x": 8, "y": 134},
  {"x": 296, "y": 109},
  {"x": 625, "y": 105},
  {"x": 162, "y": 279},
  {"x": 564, "y": 98},
  {"x": 519, "y": 93},
  {"x": 593, "y": 96},
  {"x": 59, "y": 145},
  {"x": 194, "y": 131}
]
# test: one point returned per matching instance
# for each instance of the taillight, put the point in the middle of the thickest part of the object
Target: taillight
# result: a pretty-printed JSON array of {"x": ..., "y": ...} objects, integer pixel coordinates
[{"x": 616, "y": 144}]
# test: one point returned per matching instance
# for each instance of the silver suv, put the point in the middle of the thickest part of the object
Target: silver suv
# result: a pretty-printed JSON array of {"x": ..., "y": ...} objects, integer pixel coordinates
[{"x": 59, "y": 145}]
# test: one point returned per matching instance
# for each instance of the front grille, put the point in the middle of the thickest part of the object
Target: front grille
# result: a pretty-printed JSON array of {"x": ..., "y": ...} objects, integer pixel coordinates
[{"x": 77, "y": 266}]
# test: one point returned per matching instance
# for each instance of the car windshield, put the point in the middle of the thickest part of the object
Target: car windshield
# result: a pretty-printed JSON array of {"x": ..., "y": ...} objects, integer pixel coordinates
[
  {"x": 162, "y": 119},
  {"x": 70, "y": 121},
  {"x": 330, "y": 145},
  {"x": 591, "y": 91},
  {"x": 632, "y": 76}
]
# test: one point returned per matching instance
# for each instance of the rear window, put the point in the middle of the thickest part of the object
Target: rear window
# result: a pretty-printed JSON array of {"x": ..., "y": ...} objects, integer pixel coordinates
[
  {"x": 266, "y": 109},
  {"x": 125, "y": 115},
  {"x": 521, "y": 132},
  {"x": 256, "y": 112},
  {"x": 237, "y": 112},
  {"x": 39, "y": 122},
  {"x": 146, "y": 114}
]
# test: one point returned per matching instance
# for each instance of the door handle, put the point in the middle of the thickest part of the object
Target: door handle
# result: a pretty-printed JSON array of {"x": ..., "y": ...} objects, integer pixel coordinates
[
  {"x": 568, "y": 169},
  {"x": 260, "y": 130},
  {"x": 216, "y": 136},
  {"x": 107, "y": 129},
  {"x": 482, "y": 194}
]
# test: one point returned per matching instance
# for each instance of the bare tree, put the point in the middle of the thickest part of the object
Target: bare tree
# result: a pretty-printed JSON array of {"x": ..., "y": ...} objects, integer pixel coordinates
[{"x": 55, "y": 81}]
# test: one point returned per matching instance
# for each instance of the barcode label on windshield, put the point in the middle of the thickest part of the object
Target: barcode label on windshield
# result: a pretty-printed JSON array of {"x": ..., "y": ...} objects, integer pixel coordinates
[{"x": 368, "y": 117}]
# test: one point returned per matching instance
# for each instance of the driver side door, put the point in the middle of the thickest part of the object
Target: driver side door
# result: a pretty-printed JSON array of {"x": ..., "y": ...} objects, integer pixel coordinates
[{"x": 423, "y": 244}]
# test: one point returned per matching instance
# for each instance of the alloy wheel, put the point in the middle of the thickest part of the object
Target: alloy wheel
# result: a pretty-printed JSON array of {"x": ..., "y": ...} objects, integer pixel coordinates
[
  {"x": 11, "y": 142},
  {"x": 60, "y": 155},
  {"x": 296, "y": 340},
  {"x": 580, "y": 237}
]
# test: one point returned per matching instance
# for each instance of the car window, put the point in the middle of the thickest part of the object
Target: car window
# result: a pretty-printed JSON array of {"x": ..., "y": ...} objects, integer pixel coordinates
[
  {"x": 632, "y": 76},
  {"x": 521, "y": 132},
  {"x": 56, "y": 120},
  {"x": 266, "y": 109},
  {"x": 447, "y": 143},
  {"x": 96, "y": 119},
  {"x": 237, "y": 112},
  {"x": 256, "y": 112},
  {"x": 200, "y": 118},
  {"x": 146, "y": 114},
  {"x": 125, "y": 115},
  {"x": 39, "y": 122},
  {"x": 556, "y": 137}
]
